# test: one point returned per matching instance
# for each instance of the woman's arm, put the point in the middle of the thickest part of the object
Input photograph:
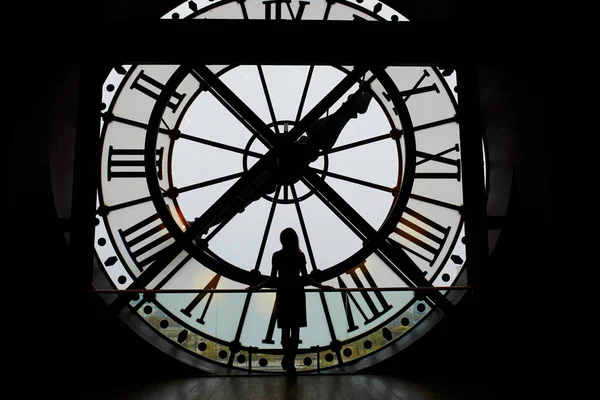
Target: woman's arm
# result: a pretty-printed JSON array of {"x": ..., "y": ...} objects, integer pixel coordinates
[
  {"x": 318, "y": 284},
  {"x": 311, "y": 280},
  {"x": 260, "y": 285},
  {"x": 263, "y": 283}
]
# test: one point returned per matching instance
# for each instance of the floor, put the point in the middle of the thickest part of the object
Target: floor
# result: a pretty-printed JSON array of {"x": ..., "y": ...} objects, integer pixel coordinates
[{"x": 329, "y": 387}]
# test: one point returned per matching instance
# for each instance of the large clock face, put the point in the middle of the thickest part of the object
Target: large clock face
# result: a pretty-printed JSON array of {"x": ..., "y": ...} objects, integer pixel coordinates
[{"x": 203, "y": 165}]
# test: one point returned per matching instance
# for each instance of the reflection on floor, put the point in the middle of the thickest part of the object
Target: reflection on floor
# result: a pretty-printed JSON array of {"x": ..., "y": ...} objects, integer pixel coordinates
[{"x": 316, "y": 387}]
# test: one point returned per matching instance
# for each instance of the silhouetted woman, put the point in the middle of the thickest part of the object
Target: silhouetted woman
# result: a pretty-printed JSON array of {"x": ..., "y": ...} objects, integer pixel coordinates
[{"x": 289, "y": 264}]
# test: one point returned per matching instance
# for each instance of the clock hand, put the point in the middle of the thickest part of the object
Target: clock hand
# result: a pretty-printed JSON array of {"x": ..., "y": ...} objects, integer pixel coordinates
[
  {"x": 357, "y": 103},
  {"x": 321, "y": 135},
  {"x": 263, "y": 185},
  {"x": 324, "y": 133},
  {"x": 231, "y": 199}
]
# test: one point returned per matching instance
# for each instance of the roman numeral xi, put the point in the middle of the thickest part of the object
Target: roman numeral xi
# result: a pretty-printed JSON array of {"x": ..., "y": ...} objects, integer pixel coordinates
[{"x": 152, "y": 88}]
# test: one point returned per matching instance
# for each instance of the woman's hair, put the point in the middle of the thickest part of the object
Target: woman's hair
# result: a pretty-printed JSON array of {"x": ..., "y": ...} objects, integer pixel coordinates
[{"x": 289, "y": 239}]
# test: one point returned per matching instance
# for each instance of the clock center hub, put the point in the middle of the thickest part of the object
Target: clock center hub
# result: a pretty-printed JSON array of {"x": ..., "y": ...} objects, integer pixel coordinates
[
  {"x": 287, "y": 168},
  {"x": 290, "y": 164}
]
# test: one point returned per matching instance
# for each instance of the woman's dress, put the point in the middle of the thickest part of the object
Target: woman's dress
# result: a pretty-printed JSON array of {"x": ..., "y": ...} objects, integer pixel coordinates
[{"x": 290, "y": 301}]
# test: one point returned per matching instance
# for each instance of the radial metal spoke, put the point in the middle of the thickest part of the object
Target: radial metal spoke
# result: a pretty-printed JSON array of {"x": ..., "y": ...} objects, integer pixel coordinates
[
  {"x": 262, "y": 77},
  {"x": 180, "y": 190},
  {"x": 305, "y": 91},
  {"x": 209, "y": 182},
  {"x": 436, "y": 202},
  {"x": 220, "y": 145},
  {"x": 390, "y": 135},
  {"x": 335, "y": 211},
  {"x": 128, "y": 204},
  {"x": 310, "y": 72},
  {"x": 263, "y": 81},
  {"x": 110, "y": 118},
  {"x": 303, "y": 226},
  {"x": 357, "y": 144},
  {"x": 353, "y": 180},
  {"x": 267, "y": 228}
]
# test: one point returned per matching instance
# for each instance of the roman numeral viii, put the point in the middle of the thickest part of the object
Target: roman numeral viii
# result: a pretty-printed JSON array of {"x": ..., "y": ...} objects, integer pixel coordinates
[
  {"x": 375, "y": 301},
  {"x": 152, "y": 232}
]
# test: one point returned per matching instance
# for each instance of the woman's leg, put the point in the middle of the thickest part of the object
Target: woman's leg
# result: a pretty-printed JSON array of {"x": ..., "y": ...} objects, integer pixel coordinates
[
  {"x": 293, "y": 346},
  {"x": 285, "y": 343}
]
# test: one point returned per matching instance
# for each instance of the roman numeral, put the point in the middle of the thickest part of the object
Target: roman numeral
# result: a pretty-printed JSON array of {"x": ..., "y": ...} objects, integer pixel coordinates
[
  {"x": 129, "y": 163},
  {"x": 190, "y": 308},
  {"x": 428, "y": 231},
  {"x": 132, "y": 237},
  {"x": 271, "y": 328},
  {"x": 151, "y": 87},
  {"x": 436, "y": 202},
  {"x": 278, "y": 3},
  {"x": 442, "y": 160},
  {"x": 416, "y": 89},
  {"x": 370, "y": 298},
  {"x": 406, "y": 94}
]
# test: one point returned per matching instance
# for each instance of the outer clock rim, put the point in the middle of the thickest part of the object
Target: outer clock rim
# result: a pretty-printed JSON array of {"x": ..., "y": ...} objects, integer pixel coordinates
[
  {"x": 374, "y": 357},
  {"x": 249, "y": 277}
]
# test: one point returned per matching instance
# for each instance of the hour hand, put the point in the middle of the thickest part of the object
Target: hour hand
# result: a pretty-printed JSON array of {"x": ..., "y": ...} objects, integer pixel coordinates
[
  {"x": 358, "y": 102},
  {"x": 324, "y": 132}
]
